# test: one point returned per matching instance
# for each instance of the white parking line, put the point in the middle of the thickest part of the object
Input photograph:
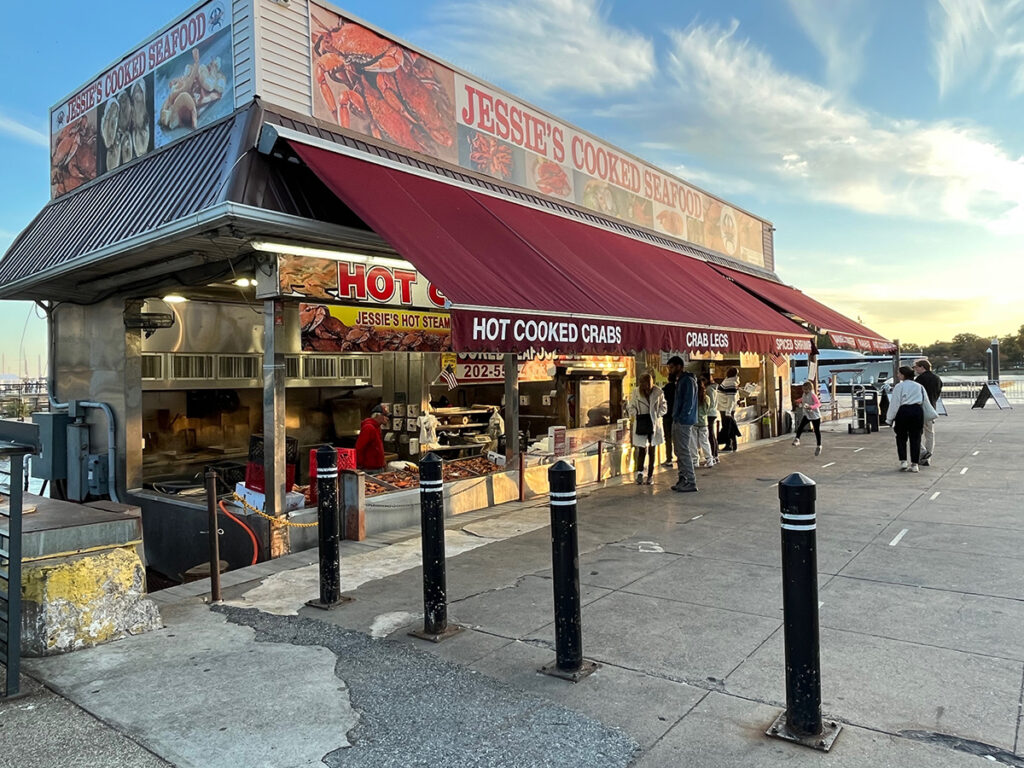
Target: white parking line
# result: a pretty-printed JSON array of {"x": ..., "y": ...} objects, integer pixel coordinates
[
  {"x": 857, "y": 450},
  {"x": 826, "y": 466},
  {"x": 975, "y": 453},
  {"x": 964, "y": 471},
  {"x": 897, "y": 537},
  {"x": 698, "y": 517},
  {"x": 935, "y": 496}
]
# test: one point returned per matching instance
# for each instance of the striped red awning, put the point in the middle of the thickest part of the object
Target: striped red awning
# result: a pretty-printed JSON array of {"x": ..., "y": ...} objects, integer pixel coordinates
[{"x": 519, "y": 278}]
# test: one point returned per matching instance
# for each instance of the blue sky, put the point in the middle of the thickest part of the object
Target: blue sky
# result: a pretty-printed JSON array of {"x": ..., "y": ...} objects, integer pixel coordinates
[{"x": 883, "y": 140}]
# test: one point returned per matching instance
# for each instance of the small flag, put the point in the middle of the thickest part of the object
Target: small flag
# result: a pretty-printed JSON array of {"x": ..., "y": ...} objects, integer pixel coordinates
[
  {"x": 448, "y": 374},
  {"x": 779, "y": 360}
]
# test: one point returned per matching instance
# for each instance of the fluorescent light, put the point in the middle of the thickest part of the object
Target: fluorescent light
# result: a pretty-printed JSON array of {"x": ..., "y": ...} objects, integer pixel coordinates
[
  {"x": 244, "y": 282},
  {"x": 302, "y": 250},
  {"x": 173, "y": 298},
  {"x": 327, "y": 253}
]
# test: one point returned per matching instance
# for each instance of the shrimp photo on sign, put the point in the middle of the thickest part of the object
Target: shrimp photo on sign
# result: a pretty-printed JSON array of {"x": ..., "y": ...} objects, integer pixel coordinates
[{"x": 194, "y": 89}]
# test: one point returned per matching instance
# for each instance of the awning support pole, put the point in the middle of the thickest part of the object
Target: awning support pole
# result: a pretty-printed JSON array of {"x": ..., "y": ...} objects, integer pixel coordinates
[
  {"x": 273, "y": 423},
  {"x": 511, "y": 407}
]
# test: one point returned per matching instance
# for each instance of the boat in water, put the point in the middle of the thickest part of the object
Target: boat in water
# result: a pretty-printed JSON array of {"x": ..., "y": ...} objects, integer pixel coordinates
[{"x": 847, "y": 366}]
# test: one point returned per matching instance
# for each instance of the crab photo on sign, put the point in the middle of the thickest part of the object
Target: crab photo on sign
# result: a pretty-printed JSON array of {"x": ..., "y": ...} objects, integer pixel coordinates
[
  {"x": 73, "y": 156},
  {"x": 371, "y": 84}
]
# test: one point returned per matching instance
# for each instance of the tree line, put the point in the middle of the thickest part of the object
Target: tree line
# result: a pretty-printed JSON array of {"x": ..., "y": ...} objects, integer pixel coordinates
[{"x": 971, "y": 350}]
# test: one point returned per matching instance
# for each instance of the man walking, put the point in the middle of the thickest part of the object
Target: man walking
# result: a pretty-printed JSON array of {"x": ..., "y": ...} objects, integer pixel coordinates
[
  {"x": 933, "y": 386},
  {"x": 684, "y": 419}
]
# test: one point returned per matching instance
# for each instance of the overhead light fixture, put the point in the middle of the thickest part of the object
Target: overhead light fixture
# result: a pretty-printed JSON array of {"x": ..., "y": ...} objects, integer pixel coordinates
[
  {"x": 326, "y": 253},
  {"x": 174, "y": 298},
  {"x": 245, "y": 282}
]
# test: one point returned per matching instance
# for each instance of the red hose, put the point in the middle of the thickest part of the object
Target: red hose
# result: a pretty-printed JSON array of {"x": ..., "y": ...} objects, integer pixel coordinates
[{"x": 255, "y": 543}]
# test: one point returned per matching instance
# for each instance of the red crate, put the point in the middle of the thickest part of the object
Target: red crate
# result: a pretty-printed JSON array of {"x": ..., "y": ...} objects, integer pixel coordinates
[
  {"x": 255, "y": 479},
  {"x": 346, "y": 460}
]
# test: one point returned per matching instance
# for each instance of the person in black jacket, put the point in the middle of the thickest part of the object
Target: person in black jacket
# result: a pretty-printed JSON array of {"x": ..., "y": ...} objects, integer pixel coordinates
[
  {"x": 933, "y": 386},
  {"x": 666, "y": 420}
]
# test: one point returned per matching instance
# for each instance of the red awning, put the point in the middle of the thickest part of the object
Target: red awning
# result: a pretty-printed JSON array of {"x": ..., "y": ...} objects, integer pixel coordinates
[
  {"x": 520, "y": 278},
  {"x": 843, "y": 331}
]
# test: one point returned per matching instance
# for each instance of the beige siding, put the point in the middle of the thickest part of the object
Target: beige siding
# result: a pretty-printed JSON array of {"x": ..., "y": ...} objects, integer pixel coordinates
[
  {"x": 284, "y": 71},
  {"x": 244, "y": 56}
]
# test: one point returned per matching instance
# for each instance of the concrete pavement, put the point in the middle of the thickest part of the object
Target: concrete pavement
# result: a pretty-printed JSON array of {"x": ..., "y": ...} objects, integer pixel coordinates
[{"x": 921, "y": 609}]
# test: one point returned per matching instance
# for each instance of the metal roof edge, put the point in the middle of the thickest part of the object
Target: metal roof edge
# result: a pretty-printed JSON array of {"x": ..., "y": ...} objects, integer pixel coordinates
[{"x": 203, "y": 219}]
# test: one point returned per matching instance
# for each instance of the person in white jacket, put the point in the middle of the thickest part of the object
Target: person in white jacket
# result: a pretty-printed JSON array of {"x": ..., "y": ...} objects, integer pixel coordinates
[
  {"x": 646, "y": 407},
  {"x": 906, "y": 414}
]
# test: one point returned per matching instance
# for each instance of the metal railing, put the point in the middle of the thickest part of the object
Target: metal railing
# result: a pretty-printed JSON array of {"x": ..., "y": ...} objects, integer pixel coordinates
[
  {"x": 10, "y": 569},
  {"x": 968, "y": 390}
]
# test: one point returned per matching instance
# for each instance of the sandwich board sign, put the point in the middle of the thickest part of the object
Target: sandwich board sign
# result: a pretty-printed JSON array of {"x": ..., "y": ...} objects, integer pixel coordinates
[{"x": 991, "y": 391}]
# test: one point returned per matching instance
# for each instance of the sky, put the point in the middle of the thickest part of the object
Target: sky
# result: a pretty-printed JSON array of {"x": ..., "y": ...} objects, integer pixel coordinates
[{"x": 883, "y": 140}]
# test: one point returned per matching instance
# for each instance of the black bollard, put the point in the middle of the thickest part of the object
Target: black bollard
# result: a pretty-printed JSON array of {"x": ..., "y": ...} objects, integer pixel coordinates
[
  {"x": 327, "y": 529},
  {"x": 801, "y": 722},
  {"x": 435, "y": 594},
  {"x": 565, "y": 571},
  {"x": 211, "y": 509}
]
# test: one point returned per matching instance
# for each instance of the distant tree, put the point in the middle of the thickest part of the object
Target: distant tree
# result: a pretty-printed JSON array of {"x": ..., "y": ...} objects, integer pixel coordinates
[
  {"x": 970, "y": 348},
  {"x": 1011, "y": 352},
  {"x": 910, "y": 346}
]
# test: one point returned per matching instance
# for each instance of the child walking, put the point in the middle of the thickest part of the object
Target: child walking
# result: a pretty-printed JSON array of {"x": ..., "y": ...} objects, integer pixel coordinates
[{"x": 812, "y": 414}]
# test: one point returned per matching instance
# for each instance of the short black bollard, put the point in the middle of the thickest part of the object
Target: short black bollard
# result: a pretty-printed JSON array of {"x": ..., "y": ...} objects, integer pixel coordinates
[
  {"x": 327, "y": 529},
  {"x": 211, "y": 510},
  {"x": 565, "y": 571},
  {"x": 435, "y": 594},
  {"x": 801, "y": 722}
]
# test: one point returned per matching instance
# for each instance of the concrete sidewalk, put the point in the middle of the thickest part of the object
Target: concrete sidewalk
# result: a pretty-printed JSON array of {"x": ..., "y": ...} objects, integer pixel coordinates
[{"x": 921, "y": 614}]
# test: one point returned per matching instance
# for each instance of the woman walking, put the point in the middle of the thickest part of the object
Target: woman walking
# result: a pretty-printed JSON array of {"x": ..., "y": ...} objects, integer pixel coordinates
[
  {"x": 906, "y": 414},
  {"x": 646, "y": 407},
  {"x": 700, "y": 442},
  {"x": 811, "y": 406}
]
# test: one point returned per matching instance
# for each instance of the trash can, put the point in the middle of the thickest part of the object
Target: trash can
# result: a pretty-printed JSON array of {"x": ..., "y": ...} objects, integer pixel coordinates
[{"x": 871, "y": 410}]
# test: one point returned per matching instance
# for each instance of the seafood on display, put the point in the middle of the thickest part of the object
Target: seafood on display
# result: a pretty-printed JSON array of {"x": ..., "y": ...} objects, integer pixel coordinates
[
  {"x": 402, "y": 480},
  {"x": 372, "y": 84},
  {"x": 125, "y": 126},
  {"x": 74, "y": 156},
  {"x": 199, "y": 86}
]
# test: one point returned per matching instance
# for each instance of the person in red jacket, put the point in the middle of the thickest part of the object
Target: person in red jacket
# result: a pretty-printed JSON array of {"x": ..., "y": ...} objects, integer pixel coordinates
[{"x": 370, "y": 443}]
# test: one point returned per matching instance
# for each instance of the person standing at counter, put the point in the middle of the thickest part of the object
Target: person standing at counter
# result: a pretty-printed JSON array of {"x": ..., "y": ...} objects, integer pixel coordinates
[
  {"x": 370, "y": 443},
  {"x": 647, "y": 407},
  {"x": 684, "y": 418},
  {"x": 725, "y": 402},
  {"x": 666, "y": 420}
]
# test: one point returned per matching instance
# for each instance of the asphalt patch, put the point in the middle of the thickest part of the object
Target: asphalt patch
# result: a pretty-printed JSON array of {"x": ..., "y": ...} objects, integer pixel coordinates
[{"x": 420, "y": 710}]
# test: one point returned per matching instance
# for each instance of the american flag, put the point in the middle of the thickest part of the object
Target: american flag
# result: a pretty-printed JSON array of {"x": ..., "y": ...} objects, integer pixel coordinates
[
  {"x": 448, "y": 374},
  {"x": 779, "y": 360}
]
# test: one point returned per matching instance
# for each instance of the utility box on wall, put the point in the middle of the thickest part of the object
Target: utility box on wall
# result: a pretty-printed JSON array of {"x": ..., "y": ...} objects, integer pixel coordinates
[
  {"x": 78, "y": 461},
  {"x": 51, "y": 463}
]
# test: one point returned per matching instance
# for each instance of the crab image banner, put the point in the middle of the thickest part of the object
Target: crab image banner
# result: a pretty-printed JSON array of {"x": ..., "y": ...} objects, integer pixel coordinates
[
  {"x": 379, "y": 283},
  {"x": 175, "y": 82},
  {"x": 366, "y": 82},
  {"x": 326, "y": 328}
]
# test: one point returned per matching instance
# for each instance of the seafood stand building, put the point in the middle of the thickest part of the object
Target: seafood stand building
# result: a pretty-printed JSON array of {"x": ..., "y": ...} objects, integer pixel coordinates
[{"x": 271, "y": 216}]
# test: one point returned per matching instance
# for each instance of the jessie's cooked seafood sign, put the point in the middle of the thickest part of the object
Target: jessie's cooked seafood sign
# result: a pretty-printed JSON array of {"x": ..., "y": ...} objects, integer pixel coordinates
[
  {"x": 369, "y": 83},
  {"x": 177, "y": 81}
]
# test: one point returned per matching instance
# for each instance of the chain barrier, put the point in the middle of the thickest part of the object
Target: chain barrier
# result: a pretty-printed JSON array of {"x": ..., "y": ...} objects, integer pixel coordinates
[{"x": 278, "y": 520}]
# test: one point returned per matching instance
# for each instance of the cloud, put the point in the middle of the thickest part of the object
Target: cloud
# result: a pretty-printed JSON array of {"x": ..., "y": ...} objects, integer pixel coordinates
[
  {"x": 794, "y": 134},
  {"x": 24, "y": 132},
  {"x": 975, "y": 41},
  {"x": 539, "y": 47},
  {"x": 839, "y": 30}
]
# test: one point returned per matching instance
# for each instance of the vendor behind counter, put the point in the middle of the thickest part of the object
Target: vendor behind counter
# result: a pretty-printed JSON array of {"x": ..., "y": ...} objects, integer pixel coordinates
[{"x": 370, "y": 443}]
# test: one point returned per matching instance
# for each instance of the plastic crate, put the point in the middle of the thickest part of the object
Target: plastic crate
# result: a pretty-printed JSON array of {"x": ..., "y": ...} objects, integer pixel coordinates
[{"x": 346, "y": 460}]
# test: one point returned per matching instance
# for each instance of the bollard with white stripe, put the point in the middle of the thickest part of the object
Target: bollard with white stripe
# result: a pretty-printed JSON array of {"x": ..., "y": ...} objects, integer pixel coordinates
[
  {"x": 435, "y": 594},
  {"x": 327, "y": 529},
  {"x": 801, "y": 722},
  {"x": 565, "y": 571}
]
